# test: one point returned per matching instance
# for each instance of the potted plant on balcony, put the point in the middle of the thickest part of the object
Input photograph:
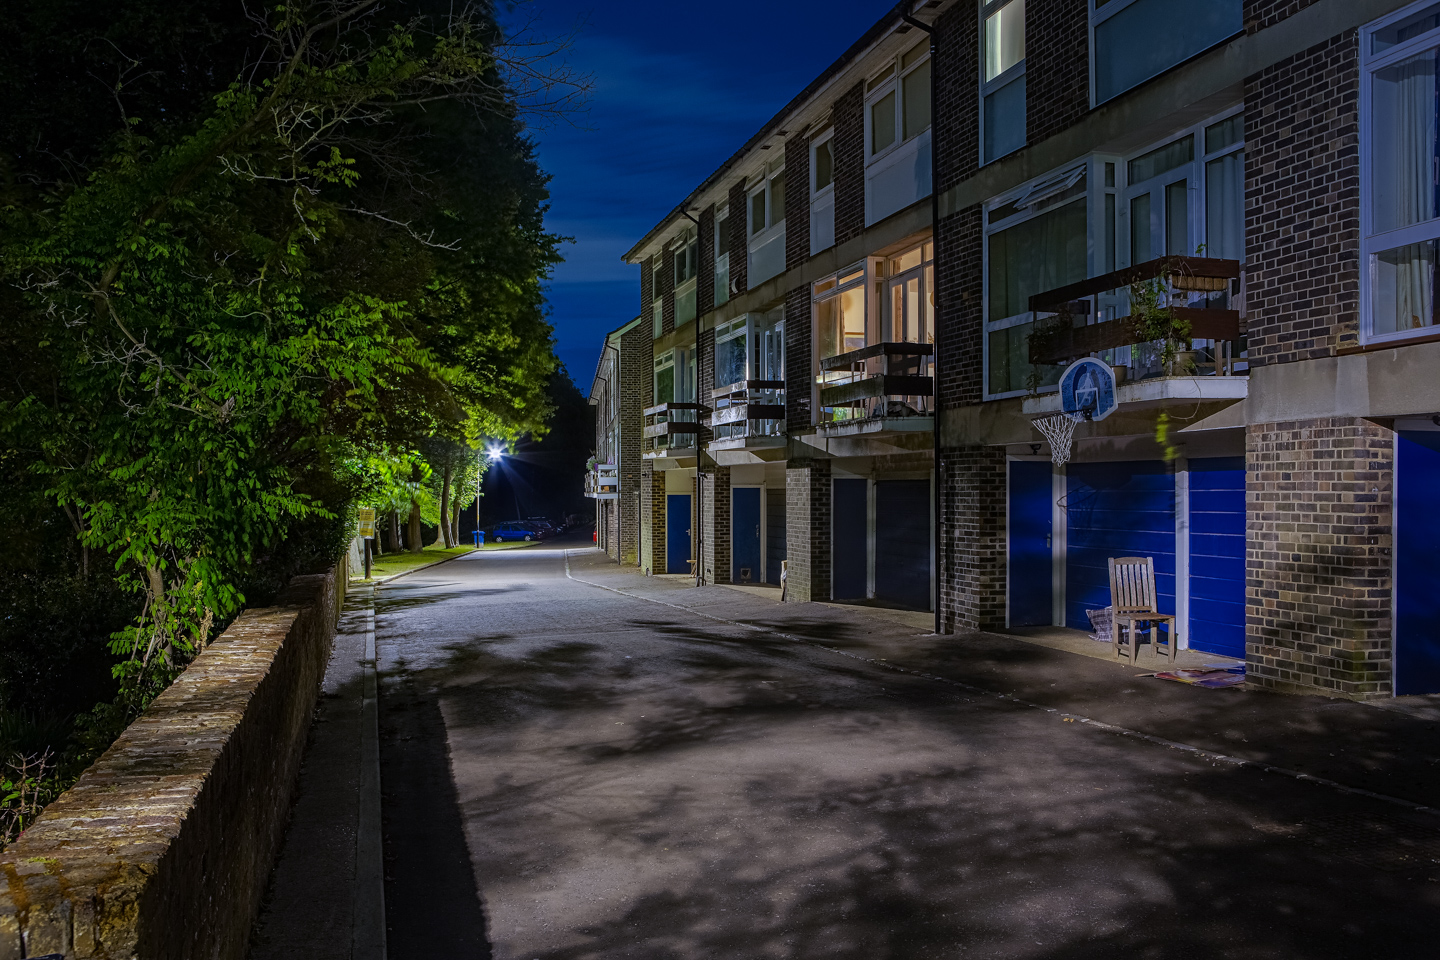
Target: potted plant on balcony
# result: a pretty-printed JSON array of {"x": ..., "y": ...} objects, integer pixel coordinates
[{"x": 1155, "y": 321}]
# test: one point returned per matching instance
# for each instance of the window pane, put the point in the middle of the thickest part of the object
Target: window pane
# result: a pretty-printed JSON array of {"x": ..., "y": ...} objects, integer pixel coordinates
[
  {"x": 1225, "y": 207},
  {"x": 824, "y": 164},
  {"x": 1151, "y": 36},
  {"x": 827, "y": 322},
  {"x": 777, "y": 198},
  {"x": 665, "y": 385},
  {"x": 1177, "y": 219},
  {"x": 1403, "y": 143},
  {"x": 1404, "y": 297},
  {"x": 1229, "y": 131},
  {"x": 685, "y": 307},
  {"x": 657, "y": 317},
  {"x": 730, "y": 361},
  {"x": 882, "y": 123},
  {"x": 1140, "y": 246},
  {"x": 916, "y": 88},
  {"x": 1010, "y": 361},
  {"x": 1163, "y": 160},
  {"x": 1108, "y": 254},
  {"x": 1004, "y": 39},
  {"x": 1406, "y": 29},
  {"x": 1005, "y": 120},
  {"x": 1037, "y": 255},
  {"x": 852, "y": 311},
  {"x": 722, "y": 278}
]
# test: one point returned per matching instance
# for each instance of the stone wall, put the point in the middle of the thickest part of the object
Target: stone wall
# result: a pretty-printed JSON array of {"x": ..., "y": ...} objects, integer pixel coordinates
[{"x": 163, "y": 848}]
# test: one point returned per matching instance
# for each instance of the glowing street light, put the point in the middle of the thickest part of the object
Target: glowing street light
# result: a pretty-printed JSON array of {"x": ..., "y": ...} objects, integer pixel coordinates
[{"x": 496, "y": 452}]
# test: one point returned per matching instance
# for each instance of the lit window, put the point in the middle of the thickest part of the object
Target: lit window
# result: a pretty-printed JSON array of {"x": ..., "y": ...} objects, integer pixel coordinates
[{"x": 1002, "y": 86}]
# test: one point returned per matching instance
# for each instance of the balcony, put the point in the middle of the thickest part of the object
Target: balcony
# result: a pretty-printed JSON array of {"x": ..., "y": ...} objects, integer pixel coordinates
[
  {"x": 882, "y": 388},
  {"x": 1196, "y": 292},
  {"x": 671, "y": 431},
  {"x": 603, "y": 482},
  {"x": 748, "y": 415}
]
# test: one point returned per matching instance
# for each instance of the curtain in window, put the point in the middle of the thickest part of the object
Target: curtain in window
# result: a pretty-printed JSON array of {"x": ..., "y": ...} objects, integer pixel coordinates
[
  {"x": 730, "y": 361},
  {"x": 1035, "y": 256},
  {"x": 1225, "y": 207},
  {"x": 1405, "y": 191}
]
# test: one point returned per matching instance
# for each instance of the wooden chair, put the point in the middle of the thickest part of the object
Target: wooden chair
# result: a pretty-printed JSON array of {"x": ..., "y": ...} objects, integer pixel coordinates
[{"x": 1132, "y": 594}]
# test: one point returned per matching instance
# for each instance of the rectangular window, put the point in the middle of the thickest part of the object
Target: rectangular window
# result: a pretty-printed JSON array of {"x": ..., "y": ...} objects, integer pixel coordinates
[
  {"x": 777, "y": 199},
  {"x": 1163, "y": 160},
  {"x": 766, "y": 249},
  {"x": 1002, "y": 79},
  {"x": 722, "y": 255},
  {"x": 1177, "y": 219},
  {"x": 730, "y": 353},
  {"x": 823, "y": 164},
  {"x": 915, "y": 93},
  {"x": 882, "y": 123},
  {"x": 1400, "y": 173},
  {"x": 1225, "y": 207},
  {"x": 657, "y": 307},
  {"x": 757, "y": 211},
  {"x": 1132, "y": 41},
  {"x": 822, "y": 192},
  {"x": 1039, "y": 254},
  {"x": 665, "y": 378}
]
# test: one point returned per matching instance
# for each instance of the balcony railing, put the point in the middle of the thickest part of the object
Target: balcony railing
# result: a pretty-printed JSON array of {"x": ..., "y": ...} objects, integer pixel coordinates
[
  {"x": 1199, "y": 292},
  {"x": 881, "y": 380},
  {"x": 672, "y": 429},
  {"x": 603, "y": 482},
  {"x": 748, "y": 410}
]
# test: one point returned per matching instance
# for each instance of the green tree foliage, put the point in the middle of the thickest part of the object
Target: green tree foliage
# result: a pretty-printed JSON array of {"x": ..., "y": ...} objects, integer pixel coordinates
[{"x": 324, "y": 245}]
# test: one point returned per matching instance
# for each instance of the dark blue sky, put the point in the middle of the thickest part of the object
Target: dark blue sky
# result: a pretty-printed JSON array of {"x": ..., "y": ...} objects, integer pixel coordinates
[{"x": 678, "y": 89}]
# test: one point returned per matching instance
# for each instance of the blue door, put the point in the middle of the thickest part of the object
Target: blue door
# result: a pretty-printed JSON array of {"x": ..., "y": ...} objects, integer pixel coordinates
[
  {"x": 902, "y": 543},
  {"x": 745, "y": 535},
  {"x": 677, "y": 533},
  {"x": 848, "y": 541},
  {"x": 1030, "y": 567},
  {"x": 774, "y": 533},
  {"x": 1124, "y": 509},
  {"x": 1217, "y": 555},
  {"x": 1417, "y": 572}
]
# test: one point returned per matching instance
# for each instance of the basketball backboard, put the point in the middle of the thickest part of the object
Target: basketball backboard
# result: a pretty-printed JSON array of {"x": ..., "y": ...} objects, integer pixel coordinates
[{"x": 1087, "y": 389}]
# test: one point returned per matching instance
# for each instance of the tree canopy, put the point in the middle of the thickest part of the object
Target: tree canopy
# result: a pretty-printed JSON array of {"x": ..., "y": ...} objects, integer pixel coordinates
[{"x": 245, "y": 249}]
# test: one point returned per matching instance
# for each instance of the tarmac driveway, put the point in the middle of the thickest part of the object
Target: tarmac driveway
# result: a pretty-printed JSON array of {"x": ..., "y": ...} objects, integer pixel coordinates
[{"x": 597, "y": 765}]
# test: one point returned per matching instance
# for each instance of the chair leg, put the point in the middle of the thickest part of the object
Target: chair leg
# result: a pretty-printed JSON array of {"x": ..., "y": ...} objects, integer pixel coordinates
[{"x": 1135, "y": 641}]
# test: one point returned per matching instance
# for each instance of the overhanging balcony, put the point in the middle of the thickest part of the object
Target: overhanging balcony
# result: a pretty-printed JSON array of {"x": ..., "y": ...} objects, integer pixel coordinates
[
  {"x": 603, "y": 482},
  {"x": 671, "y": 431},
  {"x": 882, "y": 388},
  {"x": 748, "y": 415}
]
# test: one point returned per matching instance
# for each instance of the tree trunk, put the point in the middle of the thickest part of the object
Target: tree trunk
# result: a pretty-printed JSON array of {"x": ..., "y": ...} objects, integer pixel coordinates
[
  {"x": 446, "y": 533},
  {"x": 413, "y": 535}
]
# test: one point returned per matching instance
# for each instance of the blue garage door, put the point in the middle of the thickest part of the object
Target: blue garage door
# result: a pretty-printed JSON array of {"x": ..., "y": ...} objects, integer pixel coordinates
[
  {"x": 1417, "y": 572},
  {"x": 774, "y": 533},
  {"x": 745, "y": 535},
  {"x": 1217, "y": 555},
  {"x": 848, "y": 521},
  {"x": 677, "y": 533},
  {"x": 902, "y": 543},
  {"x": 1030, "y": 565},
  {"x": 1124, "y": 509}
]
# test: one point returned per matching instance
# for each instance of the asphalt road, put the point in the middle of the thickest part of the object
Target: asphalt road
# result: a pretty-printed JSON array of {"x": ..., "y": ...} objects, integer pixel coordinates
[{"x": 610, "y": 769}]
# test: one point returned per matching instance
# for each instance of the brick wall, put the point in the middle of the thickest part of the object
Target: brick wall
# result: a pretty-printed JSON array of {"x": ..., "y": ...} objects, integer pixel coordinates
[
  {"x": 739, "y": 252},
  {"x": 956, "y": 109},
  {"x": 1302, "y": 204},
  {"x": 1260, "y": 14},
  {"x": 715, "y": 522},
  {"x": 960, "y": 288},
  {"x": 849, "y": 116},
  {"x": 652, "y": 505},
  {"x": 808, "y": 505},
  {"x": 705, "y": 379},
  {"x": 972, "y": 565},
  {"x": 797, "y": 360},
  {"x": 647, "y": 292},
  {"x": 163, "y": 848},
  {"x": 1318, "y": 556},
  {"x": 797, "y": 201},
  {"x": 1057, "y": 71},
  {"x": 705, "y": 284},
  {"x": 636, "y": 386},
  {"x": 667, "y": 286}
]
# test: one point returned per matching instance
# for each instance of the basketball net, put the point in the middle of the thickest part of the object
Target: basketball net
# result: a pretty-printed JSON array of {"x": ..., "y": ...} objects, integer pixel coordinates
[{"x": 1059, "y": 430}]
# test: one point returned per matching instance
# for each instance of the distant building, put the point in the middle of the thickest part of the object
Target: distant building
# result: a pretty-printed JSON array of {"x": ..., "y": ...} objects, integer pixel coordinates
[{"x": 802, "y": 320}]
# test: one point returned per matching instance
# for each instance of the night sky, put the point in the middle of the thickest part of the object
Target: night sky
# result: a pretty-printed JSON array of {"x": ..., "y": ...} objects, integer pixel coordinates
[{"x": 677, "y": 90}]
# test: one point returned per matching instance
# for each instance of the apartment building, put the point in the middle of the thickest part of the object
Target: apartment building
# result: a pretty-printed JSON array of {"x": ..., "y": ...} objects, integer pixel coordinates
[{"x": 852, "y": 326}]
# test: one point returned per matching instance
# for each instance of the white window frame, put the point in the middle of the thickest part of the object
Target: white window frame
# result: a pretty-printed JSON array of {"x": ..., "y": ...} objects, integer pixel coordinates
[
  {"x": 687, "y": 245},
  {"x": 900, "y": 152},
  {"x": 657, "y": 305},
  {"x": 1370, "y": 243},
  {"x": 863, "y": 274},
  {"x": 822, "y": 199},
  {"x": 774, "y": 229},
  {"x": 722, "y": 255},
  {"x": 1014, "y": 72}
]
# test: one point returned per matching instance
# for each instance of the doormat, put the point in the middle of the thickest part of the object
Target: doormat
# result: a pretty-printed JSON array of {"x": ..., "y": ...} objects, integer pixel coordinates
[{"x": 1212, "y": 676}]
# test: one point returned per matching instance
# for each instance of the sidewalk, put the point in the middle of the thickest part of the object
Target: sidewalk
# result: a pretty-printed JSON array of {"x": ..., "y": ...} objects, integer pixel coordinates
[{"x": 1391, "y": 749}]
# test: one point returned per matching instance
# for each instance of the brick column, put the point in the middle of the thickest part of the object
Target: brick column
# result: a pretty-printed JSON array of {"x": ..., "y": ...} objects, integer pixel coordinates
[
  {"x": 808, "y": 500},
  {"x": 972, "y": 538},
  {"x": 652, "y": 518},
  {"x": 715, "y": 523},
  {"x": 1319, "y": 502}
]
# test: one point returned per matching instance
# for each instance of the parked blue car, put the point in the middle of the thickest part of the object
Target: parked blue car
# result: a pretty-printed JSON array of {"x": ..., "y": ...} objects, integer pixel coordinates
[{"x": 515, "y": 530}]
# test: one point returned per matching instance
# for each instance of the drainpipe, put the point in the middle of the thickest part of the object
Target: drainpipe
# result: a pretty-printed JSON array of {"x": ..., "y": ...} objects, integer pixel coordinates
[{"x": 935, "y": 363}]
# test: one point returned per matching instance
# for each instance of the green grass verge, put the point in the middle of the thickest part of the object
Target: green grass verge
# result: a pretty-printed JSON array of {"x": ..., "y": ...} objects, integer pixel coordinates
[{"x": 393, "y": 563}]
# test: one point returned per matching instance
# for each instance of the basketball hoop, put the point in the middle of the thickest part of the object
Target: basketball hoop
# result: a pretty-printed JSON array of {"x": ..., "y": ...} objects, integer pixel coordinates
[{"x": 1059, "y": 430}]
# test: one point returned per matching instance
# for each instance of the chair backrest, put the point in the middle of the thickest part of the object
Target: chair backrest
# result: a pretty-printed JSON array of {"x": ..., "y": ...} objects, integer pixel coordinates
[{"x": 1132, "y": 584}]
